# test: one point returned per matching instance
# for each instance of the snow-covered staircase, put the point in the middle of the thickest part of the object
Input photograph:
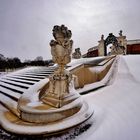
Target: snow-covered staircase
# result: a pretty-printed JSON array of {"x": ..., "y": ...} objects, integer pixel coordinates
[{"x": 13, "y": 85}]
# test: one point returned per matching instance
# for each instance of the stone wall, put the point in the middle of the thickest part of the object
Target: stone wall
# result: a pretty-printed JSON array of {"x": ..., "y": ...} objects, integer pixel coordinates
[{"x": 88, "y": 75}]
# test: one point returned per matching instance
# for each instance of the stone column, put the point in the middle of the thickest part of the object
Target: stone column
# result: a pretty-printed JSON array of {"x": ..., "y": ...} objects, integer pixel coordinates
[
  {"x": 122, "y": 41},
  {"x": 101, "y": 48}
]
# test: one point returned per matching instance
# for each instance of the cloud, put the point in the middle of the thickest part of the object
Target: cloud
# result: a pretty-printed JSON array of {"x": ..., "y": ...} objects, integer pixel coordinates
[{"x": 26, "y": 26}]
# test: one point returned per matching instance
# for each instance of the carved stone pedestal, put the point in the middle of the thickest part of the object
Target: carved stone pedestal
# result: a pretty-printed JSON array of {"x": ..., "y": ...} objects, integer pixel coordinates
[{"x": 61, "y": 90}]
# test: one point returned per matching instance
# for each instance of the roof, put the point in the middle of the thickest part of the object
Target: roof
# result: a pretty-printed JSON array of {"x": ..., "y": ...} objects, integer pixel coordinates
[
  {"x": 131, "y": 42},
  {"x": 93, "y": 48}
]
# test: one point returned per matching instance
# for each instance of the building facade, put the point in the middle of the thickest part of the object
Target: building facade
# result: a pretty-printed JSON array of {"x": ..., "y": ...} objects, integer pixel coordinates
[{"x": 119, "y": 45}]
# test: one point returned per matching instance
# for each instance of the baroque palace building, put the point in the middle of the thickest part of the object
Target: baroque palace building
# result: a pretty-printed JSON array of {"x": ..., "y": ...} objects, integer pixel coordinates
[{"x": 113, "y": 45}]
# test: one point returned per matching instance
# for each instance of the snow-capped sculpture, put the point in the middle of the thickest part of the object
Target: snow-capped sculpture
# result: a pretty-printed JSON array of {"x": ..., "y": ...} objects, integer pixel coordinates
[
  {"x": 77, "y": 54},
  {"x": 61, "y": 88}
]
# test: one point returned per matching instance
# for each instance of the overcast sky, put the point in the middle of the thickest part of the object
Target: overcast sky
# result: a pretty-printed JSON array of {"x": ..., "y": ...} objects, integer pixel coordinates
[{"x": 26, "y": 25}]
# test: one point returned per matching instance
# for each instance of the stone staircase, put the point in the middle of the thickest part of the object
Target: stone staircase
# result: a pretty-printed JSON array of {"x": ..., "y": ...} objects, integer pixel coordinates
[{"x": 13, "y": 85}]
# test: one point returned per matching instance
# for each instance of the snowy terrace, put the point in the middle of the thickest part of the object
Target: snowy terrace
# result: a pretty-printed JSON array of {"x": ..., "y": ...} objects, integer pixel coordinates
[{"x": 116, "y": 106}]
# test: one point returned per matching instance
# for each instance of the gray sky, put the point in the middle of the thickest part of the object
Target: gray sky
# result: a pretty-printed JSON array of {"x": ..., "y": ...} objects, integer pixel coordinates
[{"x": 26, "y": 25}]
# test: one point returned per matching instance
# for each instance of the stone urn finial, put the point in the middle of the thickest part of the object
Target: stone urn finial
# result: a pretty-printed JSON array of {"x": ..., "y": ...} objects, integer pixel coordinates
[
  {"x": 120, "y": 33},
  {"x": 77, "y": 54},
  {"x": 61, "y": 47},
  {"x": 102, "y": 37}
]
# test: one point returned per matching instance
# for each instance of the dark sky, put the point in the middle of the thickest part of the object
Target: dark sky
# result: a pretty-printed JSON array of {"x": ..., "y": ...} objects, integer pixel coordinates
[{"x": 26, "y": 25}]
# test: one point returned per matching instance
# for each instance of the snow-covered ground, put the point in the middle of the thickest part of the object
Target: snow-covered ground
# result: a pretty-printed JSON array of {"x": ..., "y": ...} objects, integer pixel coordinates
[
  {"x": 2, "y": 73},
  {"x": 116, "y": 107}
]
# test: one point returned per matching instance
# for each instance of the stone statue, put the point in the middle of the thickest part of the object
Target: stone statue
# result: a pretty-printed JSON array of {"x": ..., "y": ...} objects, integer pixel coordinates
[
  {"x": 61, "y": 82},
  {"x": 77, "y": 53},
  {"x": 102, "y": 37},
  {"x": 120, "y": 33}
]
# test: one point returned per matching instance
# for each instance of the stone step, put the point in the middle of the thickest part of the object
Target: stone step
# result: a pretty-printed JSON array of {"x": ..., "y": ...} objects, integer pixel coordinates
[
  {"x": 12, "y": 88},
  {"x": 23, "y": 78},
  {"x": 9, "y": 93},
  {"x": 10, "y": 104},
  {"x": 20, "y": 81},
  {"x": 39, "y": 74},
  {"x": 18, "y": 84},
  {"x": 30, "y": 76}
]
